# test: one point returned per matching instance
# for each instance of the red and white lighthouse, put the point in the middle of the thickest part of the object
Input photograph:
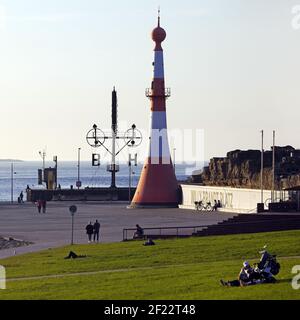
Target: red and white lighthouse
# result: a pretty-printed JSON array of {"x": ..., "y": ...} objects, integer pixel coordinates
[{"x": 158, "y": 185}]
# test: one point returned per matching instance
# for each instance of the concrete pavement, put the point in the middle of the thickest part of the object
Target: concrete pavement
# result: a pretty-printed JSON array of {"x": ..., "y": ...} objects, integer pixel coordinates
[{"x": 53, "y": 229}]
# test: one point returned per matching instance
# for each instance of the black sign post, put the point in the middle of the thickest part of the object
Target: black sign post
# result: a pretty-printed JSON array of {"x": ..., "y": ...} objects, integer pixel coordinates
[{"x": 73, "y": 210}]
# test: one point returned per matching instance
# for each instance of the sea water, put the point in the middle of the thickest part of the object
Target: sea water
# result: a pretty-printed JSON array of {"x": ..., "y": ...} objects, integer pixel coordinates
[{"x": 26, "y": 173}]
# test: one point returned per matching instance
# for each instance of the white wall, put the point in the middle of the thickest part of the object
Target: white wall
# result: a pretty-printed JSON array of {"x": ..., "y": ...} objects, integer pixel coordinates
[{"x": 232, "y": 199}]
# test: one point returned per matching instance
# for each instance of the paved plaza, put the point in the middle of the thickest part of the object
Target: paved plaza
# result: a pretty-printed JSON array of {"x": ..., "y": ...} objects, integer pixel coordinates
[{"x": 54, "y": 228}]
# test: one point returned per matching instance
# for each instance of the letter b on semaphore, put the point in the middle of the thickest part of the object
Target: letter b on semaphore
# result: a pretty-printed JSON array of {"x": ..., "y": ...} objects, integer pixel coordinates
[{"x": 2, "y": 278}]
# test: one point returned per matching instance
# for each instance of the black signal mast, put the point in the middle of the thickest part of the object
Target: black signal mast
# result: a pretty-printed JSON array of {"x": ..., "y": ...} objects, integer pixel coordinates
[{"x": 97, "y": 138}]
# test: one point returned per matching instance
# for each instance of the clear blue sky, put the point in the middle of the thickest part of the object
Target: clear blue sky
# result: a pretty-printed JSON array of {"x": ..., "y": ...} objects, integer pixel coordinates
[{"x": 233, "y": 67}]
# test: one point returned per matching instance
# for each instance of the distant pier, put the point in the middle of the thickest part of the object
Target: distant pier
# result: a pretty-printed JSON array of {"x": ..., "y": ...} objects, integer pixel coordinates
[{"x": 86, "y": 194}]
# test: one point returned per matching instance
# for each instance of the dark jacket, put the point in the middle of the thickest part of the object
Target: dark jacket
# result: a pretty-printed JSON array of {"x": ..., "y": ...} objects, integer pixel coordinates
[
  {"x": 89, "y": 229},
  {"x": 140, "y": 231},
  {"x": 96, "y": 227}
]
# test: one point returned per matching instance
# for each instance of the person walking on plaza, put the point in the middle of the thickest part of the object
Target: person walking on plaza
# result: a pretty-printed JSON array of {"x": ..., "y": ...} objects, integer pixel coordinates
[
  {"x": 44, "y": 204},
  {"x": 21, "y": 197},
  {"x": 39, "y": 205},
  {"x": 89, "y": 231},
  {"x": 96, "y": 231}
]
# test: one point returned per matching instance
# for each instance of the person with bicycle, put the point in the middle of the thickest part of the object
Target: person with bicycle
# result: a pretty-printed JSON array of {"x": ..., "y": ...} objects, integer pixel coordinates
[{"x": 202, "y": 207}]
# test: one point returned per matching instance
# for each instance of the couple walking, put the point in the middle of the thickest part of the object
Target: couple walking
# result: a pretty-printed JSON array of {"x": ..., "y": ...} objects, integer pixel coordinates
[
  {"x": 41, "y": 204},
  {"x": 93, "y": 229}
]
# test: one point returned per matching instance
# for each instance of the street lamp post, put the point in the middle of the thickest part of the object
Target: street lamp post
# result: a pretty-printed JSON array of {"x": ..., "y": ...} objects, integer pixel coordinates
[
  {"x": 174, "y": 160},
  {"x": 129, "y": 184},
  {"x": 55, "y": 161},
  {"x": 130, "y": 173},
  {"x": 72, "y": 237},
  {"x": 43, "y": 156},
  {"x": 78, "y": 167},
  {"x": 12, "y": 182},
  {"x": 273, "y": 168},
  {"x": 262, "y": 167}
]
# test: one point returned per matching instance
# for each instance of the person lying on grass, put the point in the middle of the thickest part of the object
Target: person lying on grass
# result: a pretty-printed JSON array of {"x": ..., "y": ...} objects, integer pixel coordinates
[{"x": 73, "y": 255}]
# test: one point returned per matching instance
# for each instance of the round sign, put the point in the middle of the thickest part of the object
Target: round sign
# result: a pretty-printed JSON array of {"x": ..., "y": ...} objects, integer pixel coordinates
[
  {"x": 78, "y": 184},
  {"x": 73, "y": 209}
]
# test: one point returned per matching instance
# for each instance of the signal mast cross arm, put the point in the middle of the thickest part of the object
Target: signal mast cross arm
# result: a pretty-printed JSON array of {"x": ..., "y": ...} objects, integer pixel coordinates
[{"x": 96, "y": 138}]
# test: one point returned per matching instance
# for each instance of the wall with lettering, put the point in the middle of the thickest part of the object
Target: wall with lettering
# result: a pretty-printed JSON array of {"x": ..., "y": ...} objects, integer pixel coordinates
[{"x": 232, "y": 199}]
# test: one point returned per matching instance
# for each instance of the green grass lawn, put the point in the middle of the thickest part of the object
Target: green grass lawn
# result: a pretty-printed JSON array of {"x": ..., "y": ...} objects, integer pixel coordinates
[{"x": 173, "y": 269}]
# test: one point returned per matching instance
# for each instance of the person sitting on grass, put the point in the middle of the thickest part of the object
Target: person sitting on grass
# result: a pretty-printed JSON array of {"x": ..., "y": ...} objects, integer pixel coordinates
[
  {"x": 139, "y": 233},
  {"x": 246, "y": 277}
]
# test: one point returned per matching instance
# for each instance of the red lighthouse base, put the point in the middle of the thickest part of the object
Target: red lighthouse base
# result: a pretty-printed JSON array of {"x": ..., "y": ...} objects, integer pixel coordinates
[{"x": 157, "y": 188}]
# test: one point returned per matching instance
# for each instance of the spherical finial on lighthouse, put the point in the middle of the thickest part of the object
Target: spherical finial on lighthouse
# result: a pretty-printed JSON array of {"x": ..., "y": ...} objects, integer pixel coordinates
[{"x": 158, "y": 34}]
